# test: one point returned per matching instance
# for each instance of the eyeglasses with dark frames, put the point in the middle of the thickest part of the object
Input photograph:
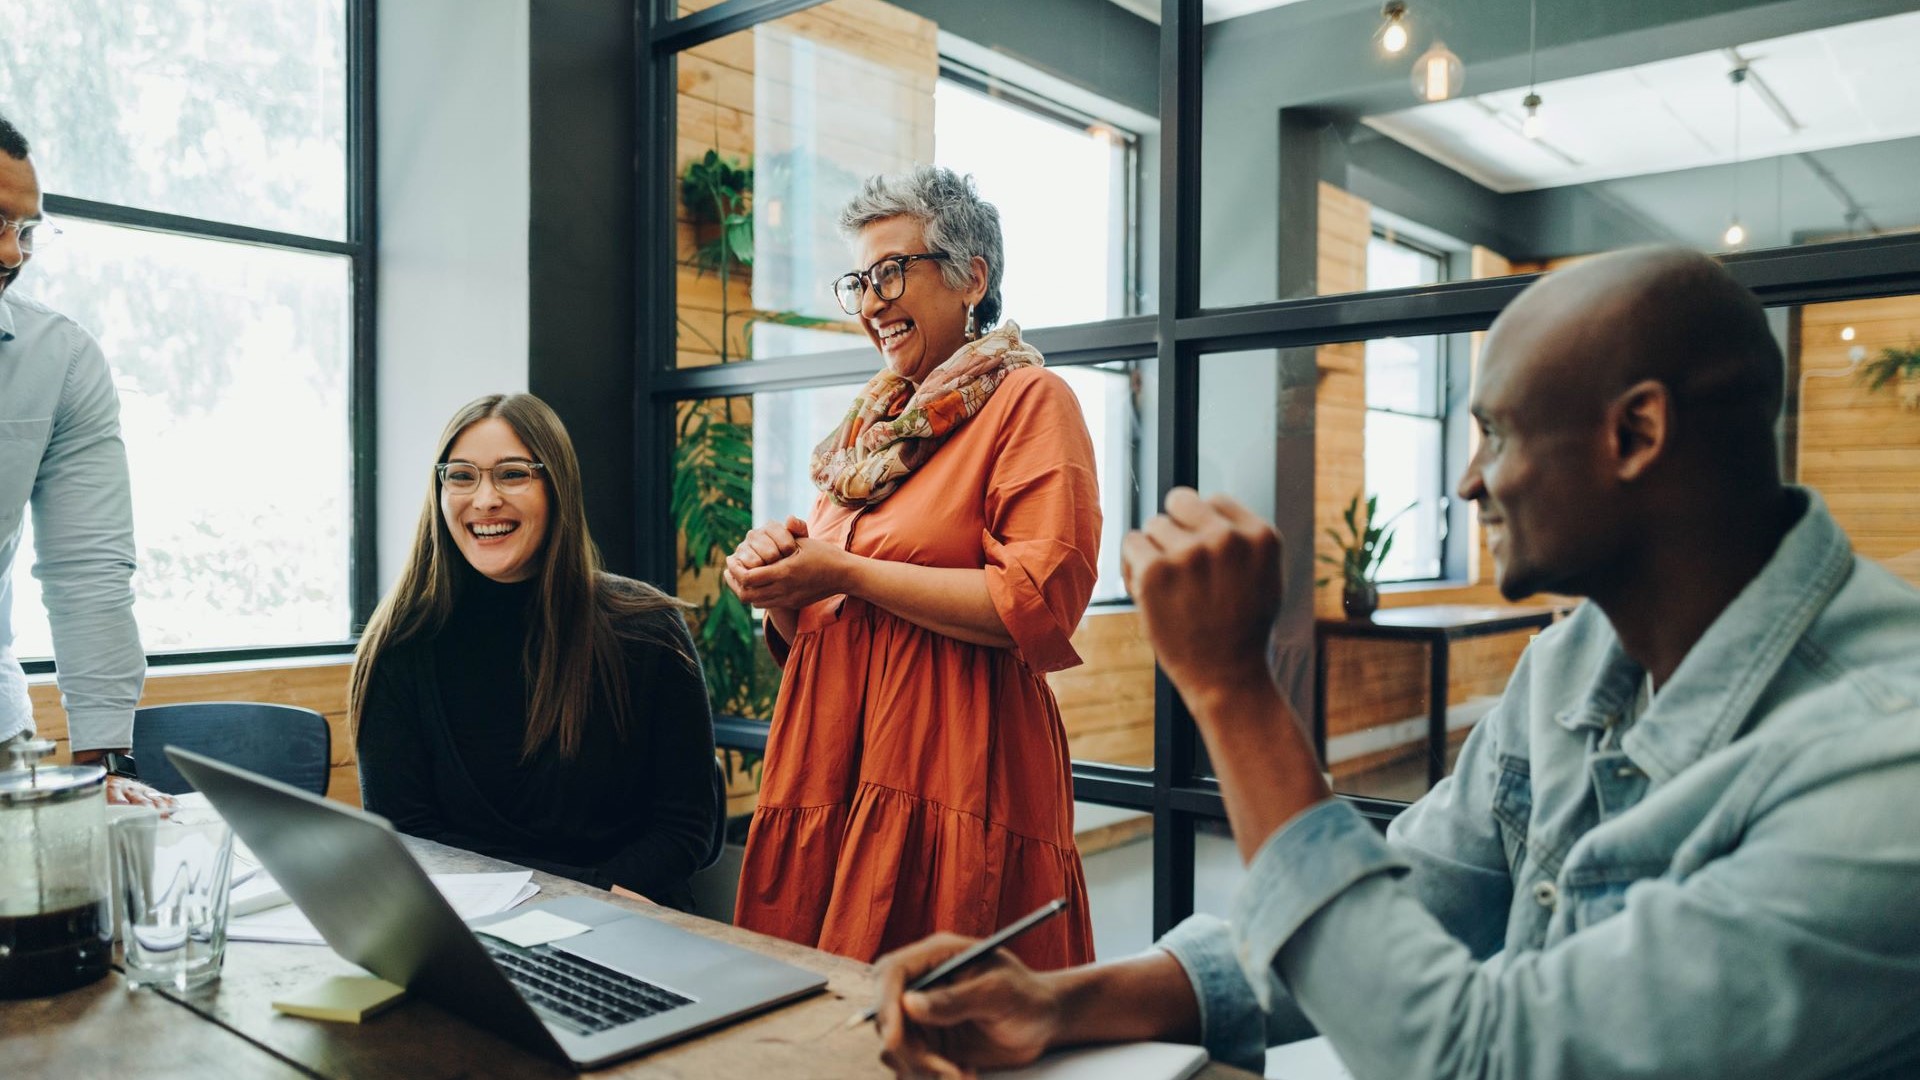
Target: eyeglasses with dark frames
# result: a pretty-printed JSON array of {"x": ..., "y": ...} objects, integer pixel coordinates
[
  {"x": 887, "y": 278},
  {"x": 509, "y": 477}
]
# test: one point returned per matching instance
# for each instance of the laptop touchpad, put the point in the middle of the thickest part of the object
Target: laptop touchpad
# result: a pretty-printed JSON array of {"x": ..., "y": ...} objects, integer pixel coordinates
[{"x": 653, "y": 952}]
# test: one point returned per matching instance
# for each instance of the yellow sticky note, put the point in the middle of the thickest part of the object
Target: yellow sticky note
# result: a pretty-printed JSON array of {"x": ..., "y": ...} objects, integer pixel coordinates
[{"x": 347, "y": 999}]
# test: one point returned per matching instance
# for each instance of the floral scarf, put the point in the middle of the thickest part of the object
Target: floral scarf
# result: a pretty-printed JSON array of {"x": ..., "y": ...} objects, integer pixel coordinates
[{"x": 892, "y": 428}]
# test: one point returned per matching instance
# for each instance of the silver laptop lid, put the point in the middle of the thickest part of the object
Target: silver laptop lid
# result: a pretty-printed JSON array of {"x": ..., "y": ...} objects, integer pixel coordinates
[{"x": 350, "y": 874}]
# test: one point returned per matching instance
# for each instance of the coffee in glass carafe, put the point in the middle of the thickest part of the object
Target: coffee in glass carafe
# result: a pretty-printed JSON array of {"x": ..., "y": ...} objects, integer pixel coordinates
[{"x": 56, "y": 928}]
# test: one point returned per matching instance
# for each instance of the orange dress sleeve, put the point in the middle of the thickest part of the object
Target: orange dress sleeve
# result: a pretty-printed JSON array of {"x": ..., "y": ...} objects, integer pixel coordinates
[{"x": 1042, "y": 521}]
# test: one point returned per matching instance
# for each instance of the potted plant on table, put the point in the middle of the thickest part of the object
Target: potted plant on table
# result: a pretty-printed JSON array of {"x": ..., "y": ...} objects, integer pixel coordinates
[{"x": 1362, "y": 551}]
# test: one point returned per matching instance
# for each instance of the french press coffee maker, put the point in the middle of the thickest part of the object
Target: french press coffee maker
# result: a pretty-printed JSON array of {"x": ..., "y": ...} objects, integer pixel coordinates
[{"x": 56, "y": 925}]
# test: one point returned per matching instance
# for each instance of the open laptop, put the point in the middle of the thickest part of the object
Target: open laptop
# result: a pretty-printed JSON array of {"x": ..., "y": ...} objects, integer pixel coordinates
[{"x": 627, "y": 984}]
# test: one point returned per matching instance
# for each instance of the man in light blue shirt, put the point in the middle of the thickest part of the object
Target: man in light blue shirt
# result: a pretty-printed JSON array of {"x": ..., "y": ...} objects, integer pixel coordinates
[
  {"x": 1686, "y": 842},
  {"x": 60, "y": 451}
]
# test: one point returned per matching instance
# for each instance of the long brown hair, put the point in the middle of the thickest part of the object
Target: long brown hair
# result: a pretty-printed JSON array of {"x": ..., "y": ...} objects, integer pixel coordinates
[{"x": 582, "y": 615}]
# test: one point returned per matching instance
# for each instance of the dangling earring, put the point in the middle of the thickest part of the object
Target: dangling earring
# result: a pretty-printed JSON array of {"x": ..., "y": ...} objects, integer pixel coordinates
[{"x": 973, "y": 328}]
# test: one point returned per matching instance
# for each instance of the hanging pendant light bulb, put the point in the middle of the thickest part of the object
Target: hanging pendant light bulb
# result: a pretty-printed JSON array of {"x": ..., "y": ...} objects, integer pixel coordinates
[
  {"x": 1438, "y": 74},
  {"x": 1530, "y": 127},
  {"x": 1393, "y": 31},
  {"x": 1736, "y": 233}
]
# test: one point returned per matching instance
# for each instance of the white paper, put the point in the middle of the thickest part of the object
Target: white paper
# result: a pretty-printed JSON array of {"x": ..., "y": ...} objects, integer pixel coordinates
[
  {"x": 193, "y": 800},
  {"x": 258, "y": 893},
  {"x": 534, "y": 928},
  {"x": 1122, "y": 1061},
  {"x": 472, "y": 896},
  {"x": 1308, "y": 1059}
]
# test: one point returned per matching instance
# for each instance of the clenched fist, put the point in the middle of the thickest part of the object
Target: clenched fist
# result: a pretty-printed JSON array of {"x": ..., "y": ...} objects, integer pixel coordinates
[{"x": 1206, "y": 576}]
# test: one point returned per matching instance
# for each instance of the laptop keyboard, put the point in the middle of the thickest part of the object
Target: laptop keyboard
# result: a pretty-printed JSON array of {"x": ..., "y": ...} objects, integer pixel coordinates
[{"x": 582, "y": 995}]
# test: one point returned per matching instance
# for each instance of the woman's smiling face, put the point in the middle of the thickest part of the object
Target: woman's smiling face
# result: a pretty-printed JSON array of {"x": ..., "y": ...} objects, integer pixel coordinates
[
  {"x": 927, "y": 323},
  {"x": 502, "y": 535}
]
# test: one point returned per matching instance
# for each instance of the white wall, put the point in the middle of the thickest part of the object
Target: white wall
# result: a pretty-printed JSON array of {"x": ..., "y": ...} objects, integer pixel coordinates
[{"x": 453, "y": 196}]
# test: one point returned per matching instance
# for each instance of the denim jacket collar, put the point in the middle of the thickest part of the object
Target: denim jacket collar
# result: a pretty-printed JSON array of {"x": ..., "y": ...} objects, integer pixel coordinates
[{"x": 1707, "y": 702}]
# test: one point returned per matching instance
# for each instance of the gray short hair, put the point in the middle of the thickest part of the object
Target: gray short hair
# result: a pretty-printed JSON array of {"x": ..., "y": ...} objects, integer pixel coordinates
[{"x": 955, "y": 219}]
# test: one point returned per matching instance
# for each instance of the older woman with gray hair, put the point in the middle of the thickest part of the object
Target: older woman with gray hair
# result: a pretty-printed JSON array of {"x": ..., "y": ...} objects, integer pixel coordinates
[{"x": 917, "y": 776}]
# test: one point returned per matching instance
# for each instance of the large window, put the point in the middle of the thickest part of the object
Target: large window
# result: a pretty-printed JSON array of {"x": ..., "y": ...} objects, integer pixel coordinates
[
  {"x": 1069, "y": 260},
  {"x": 205, "y": 166}
]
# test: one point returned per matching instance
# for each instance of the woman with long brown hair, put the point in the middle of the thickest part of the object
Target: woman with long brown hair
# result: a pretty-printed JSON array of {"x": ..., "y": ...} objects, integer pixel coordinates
[{"x": 511, "y": 698}]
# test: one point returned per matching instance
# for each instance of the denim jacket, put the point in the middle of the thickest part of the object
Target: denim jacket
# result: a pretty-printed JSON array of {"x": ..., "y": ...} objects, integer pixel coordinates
[{"x": 1729, "y": 886}]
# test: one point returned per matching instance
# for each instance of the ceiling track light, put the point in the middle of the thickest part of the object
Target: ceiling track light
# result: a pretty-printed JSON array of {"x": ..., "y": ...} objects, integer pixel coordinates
[
  {"x": 1758, "y": 84},
  {"x": 1393, "y": 36},
  {"x": 1736, "y": 234}
]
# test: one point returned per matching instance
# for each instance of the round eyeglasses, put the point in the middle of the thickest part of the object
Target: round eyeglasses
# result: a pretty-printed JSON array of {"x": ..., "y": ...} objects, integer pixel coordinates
[
  {"x": 33, "y": 232},
  {"x": 509, "y": 477},
  {"x": 888, "y": 279}
]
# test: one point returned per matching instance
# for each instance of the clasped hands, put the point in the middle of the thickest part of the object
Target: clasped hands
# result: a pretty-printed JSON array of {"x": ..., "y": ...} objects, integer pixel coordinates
[
  {"x": 778, "y": 567},
  {"x": 1206, "y": 576}
]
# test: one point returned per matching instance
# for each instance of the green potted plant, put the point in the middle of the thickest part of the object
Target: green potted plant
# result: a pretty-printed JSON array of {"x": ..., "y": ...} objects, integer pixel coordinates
[
  {"x": 1362, "y": 551},
  {"x": 1898, "y": 366}
]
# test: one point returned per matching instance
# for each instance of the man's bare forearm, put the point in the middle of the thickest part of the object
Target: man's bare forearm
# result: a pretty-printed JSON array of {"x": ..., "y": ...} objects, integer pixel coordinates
[
  {"x": 1143, "y": 997},
  {"x": 1267, "y": 771}
]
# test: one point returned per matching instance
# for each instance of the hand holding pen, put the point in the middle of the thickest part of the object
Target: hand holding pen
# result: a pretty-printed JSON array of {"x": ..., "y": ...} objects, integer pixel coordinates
[{"x": 949, "y": 999}]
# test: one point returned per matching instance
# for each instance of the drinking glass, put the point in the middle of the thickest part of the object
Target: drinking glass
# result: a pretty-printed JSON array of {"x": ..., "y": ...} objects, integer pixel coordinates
[{"x": 172, "y": 871}]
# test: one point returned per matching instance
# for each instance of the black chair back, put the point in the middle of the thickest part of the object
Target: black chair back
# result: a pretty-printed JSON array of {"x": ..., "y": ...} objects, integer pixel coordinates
[{"x": 285, "y": 742}]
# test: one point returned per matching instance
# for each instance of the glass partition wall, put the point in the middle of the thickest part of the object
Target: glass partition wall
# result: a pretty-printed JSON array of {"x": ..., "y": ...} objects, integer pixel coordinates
[{"x": 1261, "y": 278}]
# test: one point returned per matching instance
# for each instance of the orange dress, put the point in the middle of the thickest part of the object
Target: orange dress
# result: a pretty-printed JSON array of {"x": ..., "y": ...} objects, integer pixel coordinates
[{"x": 913, "y": 782}]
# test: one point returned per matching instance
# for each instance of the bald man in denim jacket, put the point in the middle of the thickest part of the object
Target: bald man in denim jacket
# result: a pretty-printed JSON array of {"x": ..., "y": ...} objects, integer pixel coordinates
[{"x": 1686, "y": 842}]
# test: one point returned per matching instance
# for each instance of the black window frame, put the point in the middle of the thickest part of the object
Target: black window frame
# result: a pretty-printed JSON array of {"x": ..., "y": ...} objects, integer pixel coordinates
[
  {"x": 360, "y": 247},
  {"x": 1179, "y": 337}
]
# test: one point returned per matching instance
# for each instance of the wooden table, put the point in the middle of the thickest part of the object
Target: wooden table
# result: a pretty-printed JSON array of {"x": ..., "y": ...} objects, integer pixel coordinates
[
  {"x": 1438, "y": 625},
  {"x": 232, "y": 1031}
]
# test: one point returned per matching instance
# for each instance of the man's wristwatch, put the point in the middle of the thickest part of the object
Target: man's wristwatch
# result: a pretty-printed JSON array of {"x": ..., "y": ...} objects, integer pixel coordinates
[{"x": 119, "y": 764}]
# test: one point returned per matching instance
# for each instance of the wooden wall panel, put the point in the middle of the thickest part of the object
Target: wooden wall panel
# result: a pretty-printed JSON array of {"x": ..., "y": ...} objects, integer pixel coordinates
[
  {"x": 1861, "y": 449},
  {"x": 1107, "y": 702},
  {"x": 1372, "y": 683}
]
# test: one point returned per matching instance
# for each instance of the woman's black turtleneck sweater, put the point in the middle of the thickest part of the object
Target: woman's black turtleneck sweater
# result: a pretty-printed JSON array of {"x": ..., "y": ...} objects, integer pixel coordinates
[{"x": 439, "y": 753}]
